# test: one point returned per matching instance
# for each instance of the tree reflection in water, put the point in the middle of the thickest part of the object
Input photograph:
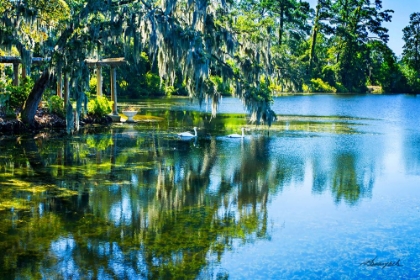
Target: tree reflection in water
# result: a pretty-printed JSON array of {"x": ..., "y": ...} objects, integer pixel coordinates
[{"x": 142, "y": 204}]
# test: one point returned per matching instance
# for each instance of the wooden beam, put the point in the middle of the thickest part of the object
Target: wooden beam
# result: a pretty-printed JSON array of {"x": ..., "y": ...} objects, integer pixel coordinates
[
  {"x": 106, "y": 62},
  {"x": 16, "y": 59},
  {"x": 10, "y": 59}
]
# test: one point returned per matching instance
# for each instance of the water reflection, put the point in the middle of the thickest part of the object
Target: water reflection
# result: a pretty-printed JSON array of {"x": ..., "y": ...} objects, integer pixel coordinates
[
  {"x": 145, "y": 203},
  {"x": 348, "y": 174},
  {"x": 411, "y": 152},
  {"x": 137, "y": 202}
]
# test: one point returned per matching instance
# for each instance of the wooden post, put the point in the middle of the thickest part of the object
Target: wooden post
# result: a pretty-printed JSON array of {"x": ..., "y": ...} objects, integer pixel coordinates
[
  {"x": 114, "y": 90},
  {"x": 15, "y": 74},
  {"x": 98, "y": 80}
]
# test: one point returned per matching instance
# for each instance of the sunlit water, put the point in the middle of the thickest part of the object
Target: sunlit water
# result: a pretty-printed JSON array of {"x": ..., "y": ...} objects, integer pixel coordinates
[{"x": 330, "y": 191}]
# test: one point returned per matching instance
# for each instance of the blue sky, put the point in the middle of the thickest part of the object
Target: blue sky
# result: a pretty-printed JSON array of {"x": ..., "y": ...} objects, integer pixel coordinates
[{"x": 400, "y": 19}]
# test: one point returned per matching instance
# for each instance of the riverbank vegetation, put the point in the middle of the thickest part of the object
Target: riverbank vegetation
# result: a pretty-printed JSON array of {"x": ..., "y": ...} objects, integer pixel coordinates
[{"x": 202, "y": 49}]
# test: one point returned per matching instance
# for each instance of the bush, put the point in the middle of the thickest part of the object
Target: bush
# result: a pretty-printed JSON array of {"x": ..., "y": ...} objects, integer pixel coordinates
[
  {"x": 412, "y": 79},
  {"x": 341, "y": 88},
  {"x": 100, "y": 106},
  {"x": 318, "y": 85},
  {"x": 306, "y": 88},
  {"x": 92, "y": 86},
  {"x": 170, "y": 90},
  {"x": 56, "y": 106},
  {"x": 4, "y": 100},
  {"x": 19, "y": 94},
  {"x": 153, "y": 84}
]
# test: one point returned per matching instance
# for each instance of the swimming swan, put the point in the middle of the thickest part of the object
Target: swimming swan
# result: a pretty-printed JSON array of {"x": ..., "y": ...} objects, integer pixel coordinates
[
  {"x": 188, "y": 134},
  {"x": 237, "y": 135}
]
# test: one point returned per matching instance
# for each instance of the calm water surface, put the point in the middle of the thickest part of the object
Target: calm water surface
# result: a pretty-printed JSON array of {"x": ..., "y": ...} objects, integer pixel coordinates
[{"x": 330, "y": 191}]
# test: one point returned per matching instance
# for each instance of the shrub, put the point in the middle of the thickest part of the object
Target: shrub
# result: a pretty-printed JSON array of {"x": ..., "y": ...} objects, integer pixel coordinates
[
  {"x": 56, "y": 106},
  {"x": 100, "y": 106},
  {"x": 153, "y": 84},
  {"x": 170, "y": 90},
  {"x": 4, "y": 100},
  {"x": 341, "y": 88},
  {"x": 306, "y": 88},
  {"x": 19, "y": 94},
  {"x": 92, "y": 86},
  {"x": 318, "y": 85}
]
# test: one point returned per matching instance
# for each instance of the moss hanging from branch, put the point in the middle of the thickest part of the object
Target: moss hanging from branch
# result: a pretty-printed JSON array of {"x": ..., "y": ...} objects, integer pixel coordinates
[{"x": 185, "y": 40}]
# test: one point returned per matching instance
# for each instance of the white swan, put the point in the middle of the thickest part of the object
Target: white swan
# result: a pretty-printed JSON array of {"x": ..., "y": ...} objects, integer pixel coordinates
[
  {"x": 188, "y": 134},
  {"x": 237, "y": 135}
]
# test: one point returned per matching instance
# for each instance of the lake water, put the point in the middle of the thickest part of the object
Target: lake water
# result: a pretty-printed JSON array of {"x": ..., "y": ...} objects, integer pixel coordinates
[{"x": 330, "y": 191}]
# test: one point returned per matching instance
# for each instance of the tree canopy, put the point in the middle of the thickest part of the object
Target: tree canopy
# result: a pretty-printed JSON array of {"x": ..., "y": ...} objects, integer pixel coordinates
[
  {"x": 252, "y": 49},
  {"x": 411, "y": 38}
]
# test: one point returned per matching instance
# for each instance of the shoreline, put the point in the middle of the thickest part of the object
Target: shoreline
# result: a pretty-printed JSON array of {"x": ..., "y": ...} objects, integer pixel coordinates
[{"x": 45, "y": 121}]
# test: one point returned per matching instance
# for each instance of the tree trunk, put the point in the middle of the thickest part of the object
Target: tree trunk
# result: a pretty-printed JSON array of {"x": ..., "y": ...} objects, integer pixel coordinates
[
  {"x": 314, "y": 35},
  {"x": 281, "y": 24},
  {"x": 29, "y": 109}
]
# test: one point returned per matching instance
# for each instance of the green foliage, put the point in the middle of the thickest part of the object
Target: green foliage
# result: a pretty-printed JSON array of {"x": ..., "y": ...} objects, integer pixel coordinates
[
  {"x": 4, "y": 98},
  {"x": 233, "y": 65},
  {"x": 19, "y": 94},
  {"x": 342, "y": 32},
  {"x": 153, "y": 83},
  {"x": 99, "y": 106},
  {"x": 318, "y": 85},
  {"x": 260, "y": 93},
  {"x": 236, "y": 44},
  {"x": 136, "y": 79},
  {"x": 170, "y": 90},
  {"x": 384, "y": 70},
  {"x": 220, "y": 86},
  {"x": 340, "y": 88},
  {"x": 291, "y": 16},
  {"x": 56, "y": 106},
  {"x": 2, "y": 90},
  {"x": 411, "y": 37},
  {"x": 412, "y": 79},
  {"x": 4, "y": 101},
  {"x": 123, "y": 85},
  {"x": 99, "y": 143},
  {"x": 92, "y": 86},
  {"x": 410, "y": 66}
]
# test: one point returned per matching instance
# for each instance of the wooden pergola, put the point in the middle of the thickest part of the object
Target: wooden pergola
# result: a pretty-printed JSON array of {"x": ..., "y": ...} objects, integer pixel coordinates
[
  {"x": 113, "y": 63},
  {"x": 16, "y": 61}
]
